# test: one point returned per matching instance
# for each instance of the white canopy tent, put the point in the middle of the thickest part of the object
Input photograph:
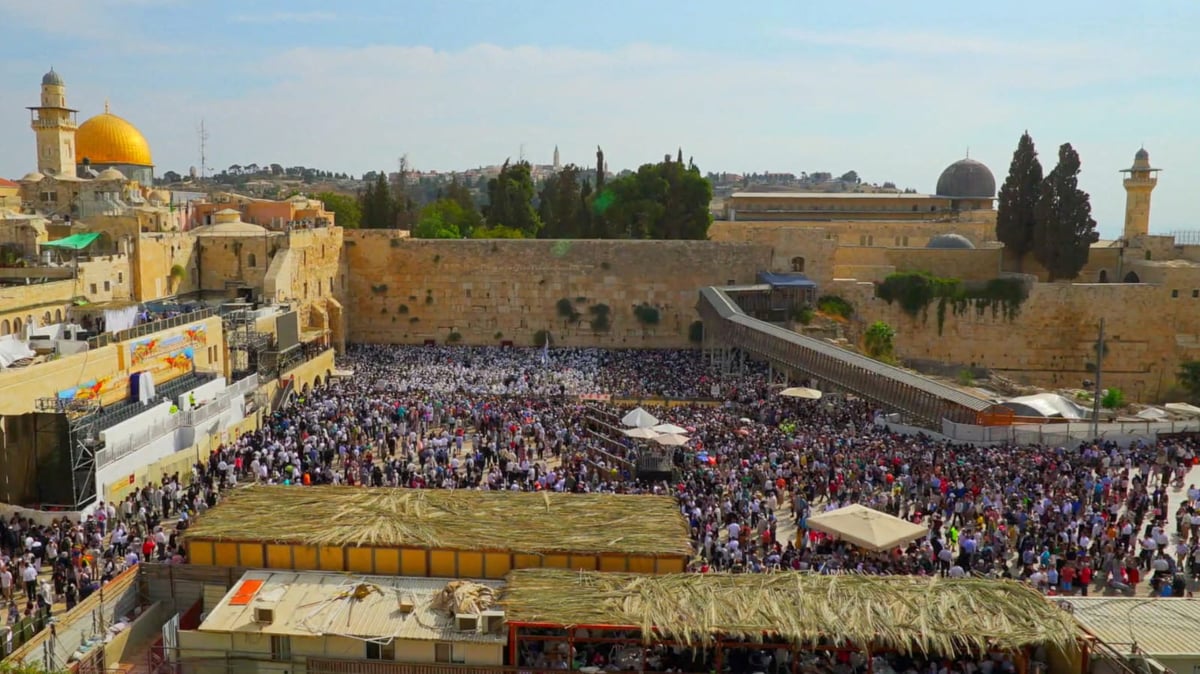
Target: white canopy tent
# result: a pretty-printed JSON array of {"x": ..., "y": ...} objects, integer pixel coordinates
[{"x": 639, "y": 418}]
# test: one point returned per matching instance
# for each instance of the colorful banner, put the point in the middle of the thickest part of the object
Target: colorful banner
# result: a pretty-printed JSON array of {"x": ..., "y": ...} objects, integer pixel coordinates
[
  {"x": 91, "y": 390},
  {"x": 145, "y": 350}
]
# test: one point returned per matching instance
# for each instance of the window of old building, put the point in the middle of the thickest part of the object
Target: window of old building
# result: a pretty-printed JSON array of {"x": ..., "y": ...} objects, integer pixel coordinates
[
  {"x": 251, "y": 260},
  {"x": 798, "y": 265}
]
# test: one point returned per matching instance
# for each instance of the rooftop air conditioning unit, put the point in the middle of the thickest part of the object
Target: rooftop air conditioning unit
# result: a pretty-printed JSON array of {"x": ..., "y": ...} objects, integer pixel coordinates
[
  {"x": 466, "y": 622},
  {"x": 491, "y": 621},
  {"x": 405, "y": 605},
  {"x": 265, "y": 616}
]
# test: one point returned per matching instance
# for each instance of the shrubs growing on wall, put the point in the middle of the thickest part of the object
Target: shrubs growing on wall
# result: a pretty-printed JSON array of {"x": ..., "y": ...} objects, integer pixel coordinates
[
  {"x": 915, "y": 291},
  {"x": 646, "y": 314},
  {"x": 833, "y": 305},
  {"x": 600, "y": 317}
]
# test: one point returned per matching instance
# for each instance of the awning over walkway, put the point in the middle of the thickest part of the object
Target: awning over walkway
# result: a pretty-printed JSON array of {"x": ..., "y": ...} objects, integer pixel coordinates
[
  {"x": 73, "y": 242},
  {"x": 786, "y": 280}
]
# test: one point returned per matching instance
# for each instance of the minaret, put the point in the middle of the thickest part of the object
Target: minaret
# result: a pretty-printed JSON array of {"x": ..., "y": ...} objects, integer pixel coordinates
[
  {"x": 557, "y": 165},
  {"x": 1139, "y": 183},
  {"x": 54, "y": 125}
]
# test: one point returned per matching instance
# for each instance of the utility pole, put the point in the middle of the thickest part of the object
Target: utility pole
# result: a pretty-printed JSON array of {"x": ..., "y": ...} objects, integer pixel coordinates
[{"x": 1097, "y": 391}]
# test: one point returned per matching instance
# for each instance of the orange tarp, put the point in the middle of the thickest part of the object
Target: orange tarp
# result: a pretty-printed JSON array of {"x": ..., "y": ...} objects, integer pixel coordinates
[{"x": 245, "y": 592}]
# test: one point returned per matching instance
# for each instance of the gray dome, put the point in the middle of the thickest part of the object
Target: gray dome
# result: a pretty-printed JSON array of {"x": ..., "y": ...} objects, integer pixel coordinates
[
  {"x": 52, "y": 78},
  {"x": 1142, "y": 154},
  {"x": 967, "y": 179},
  {"x": 950, "y": 242}
]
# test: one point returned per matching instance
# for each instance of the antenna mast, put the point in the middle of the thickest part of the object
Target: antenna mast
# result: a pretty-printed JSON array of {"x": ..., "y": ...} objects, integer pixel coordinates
[{"x": 203, "y": 150}]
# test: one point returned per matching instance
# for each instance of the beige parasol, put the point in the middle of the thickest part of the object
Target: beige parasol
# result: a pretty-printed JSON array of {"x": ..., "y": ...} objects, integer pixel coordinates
[
  {"x": 867, "y": 528},
  {"x": 671, "y": 439},
  {"x": 801, "y": 392},
  {"x": 669, "y": 428},
  {"x": 640, "y": 433}
]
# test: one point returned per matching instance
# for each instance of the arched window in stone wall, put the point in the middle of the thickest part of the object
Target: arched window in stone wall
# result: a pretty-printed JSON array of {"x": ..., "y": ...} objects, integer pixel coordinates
[
  {"x": 251, "y": 260},
  {"x": 1132, "y": 277},
  {"x": 46, "y": 318},
  {"x": 4, "y": 327},
  {"x": 798, "y": 265},
  {"x": 17, "y": 327},
  {"x": 58, "y": 316},
  {"x": 1103, "y": 276}
]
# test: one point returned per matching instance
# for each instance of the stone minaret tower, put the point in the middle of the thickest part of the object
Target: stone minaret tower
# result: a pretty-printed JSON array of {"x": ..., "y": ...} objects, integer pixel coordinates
[
  {"x": 1139, "y": 183},
  {"x": 557, "y": 165},
  {"x": 54, "y": 125}
]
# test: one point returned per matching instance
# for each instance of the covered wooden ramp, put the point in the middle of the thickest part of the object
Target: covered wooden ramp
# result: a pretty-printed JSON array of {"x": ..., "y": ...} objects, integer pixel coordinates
[{"x": 731, "y": 336}]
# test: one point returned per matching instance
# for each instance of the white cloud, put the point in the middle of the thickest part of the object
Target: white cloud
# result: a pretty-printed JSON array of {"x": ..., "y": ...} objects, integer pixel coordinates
[
  {"x": 284, "y": 17},
  {"x": 928, "y": 43}
]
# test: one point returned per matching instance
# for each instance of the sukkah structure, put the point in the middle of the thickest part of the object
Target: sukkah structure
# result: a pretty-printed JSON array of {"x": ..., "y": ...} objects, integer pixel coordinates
[
  {"x": 714, "y": 614},
  {"x": 440, "y": 533}
]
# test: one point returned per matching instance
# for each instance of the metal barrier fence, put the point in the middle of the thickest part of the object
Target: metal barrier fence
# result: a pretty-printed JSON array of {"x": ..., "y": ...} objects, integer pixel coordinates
[
  {"x": 1062, "y": 434},
  {"x": 148, "y": 328},
  {"x": 114, "y": 451}
]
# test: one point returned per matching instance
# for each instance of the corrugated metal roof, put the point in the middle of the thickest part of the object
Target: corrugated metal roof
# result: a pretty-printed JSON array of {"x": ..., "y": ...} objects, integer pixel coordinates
[
  {"x": 1160, "y": 627},
  {"x": 318, "y": 604},
  {"x": 729, "y": 310}
]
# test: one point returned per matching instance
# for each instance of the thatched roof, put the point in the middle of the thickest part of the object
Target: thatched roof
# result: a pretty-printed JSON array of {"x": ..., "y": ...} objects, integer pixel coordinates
[
  {"x": 533, "y": 523},
  {"x": 910, "y": 614}
]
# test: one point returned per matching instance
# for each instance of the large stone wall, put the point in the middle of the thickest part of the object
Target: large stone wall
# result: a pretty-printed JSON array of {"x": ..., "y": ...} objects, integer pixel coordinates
[
  {"x": 1051, "y": 341},
  {"x": 407, "y": 291}
]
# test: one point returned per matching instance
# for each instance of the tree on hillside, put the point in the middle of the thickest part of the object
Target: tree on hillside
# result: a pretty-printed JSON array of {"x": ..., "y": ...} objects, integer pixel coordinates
[
  {"x": 510, "y": 199},
  {"x": 560, "y": 207},
  {"x": 376, "y": 204},
  {"x": 667, "y": 200},
  {"x": 1064, "y": 229},
  {"x": 1016, "y": 219},
  {"x": 346, "y": 210},
  {"x": 442, "y": 219},
  {"x": 404, "y": 204}
]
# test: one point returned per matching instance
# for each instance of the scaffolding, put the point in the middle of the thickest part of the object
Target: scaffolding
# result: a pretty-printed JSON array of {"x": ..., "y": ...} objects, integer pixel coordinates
[
  {"x": 81, "y": 421},
  {"x": 246, "y": 344}
]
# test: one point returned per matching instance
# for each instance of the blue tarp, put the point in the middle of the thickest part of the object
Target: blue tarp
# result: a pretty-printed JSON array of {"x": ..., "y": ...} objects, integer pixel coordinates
[{"x": 786, "y": 280}]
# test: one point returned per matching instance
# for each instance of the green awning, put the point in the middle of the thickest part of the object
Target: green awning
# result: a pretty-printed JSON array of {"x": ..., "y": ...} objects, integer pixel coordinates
[{"x": 73, "y": 242}]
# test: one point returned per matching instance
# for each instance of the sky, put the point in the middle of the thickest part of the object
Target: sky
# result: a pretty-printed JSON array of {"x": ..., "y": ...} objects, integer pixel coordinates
[{"x": 893, "y": 90}]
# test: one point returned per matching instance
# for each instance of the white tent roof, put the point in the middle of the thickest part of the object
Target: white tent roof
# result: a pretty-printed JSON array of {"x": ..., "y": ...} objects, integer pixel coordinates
[
  {"x": 12, "y": 350},
  {"x": 867, "y": 528},
  {"x": 639, "y": 418},
  {"x": 1050, "y": 405}
]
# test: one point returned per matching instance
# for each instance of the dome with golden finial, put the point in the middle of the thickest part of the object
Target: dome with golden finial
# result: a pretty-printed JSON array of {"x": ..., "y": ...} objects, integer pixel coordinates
[{"x": 108, "y": 139}]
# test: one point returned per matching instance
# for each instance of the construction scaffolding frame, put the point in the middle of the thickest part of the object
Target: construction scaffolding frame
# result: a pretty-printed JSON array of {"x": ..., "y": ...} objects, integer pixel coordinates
[
  {"x": 82, "y": 437},
  {"x": 731, "y": 337}
]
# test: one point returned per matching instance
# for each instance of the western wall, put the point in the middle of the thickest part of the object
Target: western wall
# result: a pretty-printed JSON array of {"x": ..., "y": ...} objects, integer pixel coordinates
[{"x": 405, "y": 291}]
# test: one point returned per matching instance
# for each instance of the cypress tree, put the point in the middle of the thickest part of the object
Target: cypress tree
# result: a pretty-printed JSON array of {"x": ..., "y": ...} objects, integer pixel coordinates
[
  {"x": 1019, "y": 195},
  {"x": 1064, "y": 229}
]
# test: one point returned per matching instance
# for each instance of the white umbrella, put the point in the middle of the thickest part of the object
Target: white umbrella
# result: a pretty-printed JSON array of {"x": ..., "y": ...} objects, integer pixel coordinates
[
  {"x": 669, "y": 428},
  {"x": 801, "y": 392},
  {"x": 671, "y": 439},
  {"x": 639, "y": 418},
  {"x": 640, "y": 433}
]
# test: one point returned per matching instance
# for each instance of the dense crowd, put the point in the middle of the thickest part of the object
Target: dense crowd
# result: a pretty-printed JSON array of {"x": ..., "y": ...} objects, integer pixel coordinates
[{"x": 757, "y": 467}]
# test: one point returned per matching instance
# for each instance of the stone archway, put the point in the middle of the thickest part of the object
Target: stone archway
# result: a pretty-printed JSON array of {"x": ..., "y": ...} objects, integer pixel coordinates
[
  {"x": 1103, "y": 277},
  {"x": 1131, "y": 277}
]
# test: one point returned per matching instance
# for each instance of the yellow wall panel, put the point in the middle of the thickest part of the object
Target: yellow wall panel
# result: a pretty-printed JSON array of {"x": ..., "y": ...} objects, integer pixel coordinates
[
  {"x": 332, "y": 558},
  {"x": 200, "y": 552},
  {"x": 555, "y": 562},
  {"x": 387, "y": 561},
  {"x": 585, "y": 562},
  {"x": 304, "y": 557},
  {"x": 441, "y": 564},
  {"x": 614, "y": 563},
  {"x": 527, "y": 561},
  {"x": 225, "y": 554},
  {"x": 638, "y": 564},
  {"x": 414, "y": 562},
  {"x": 250, "y": 554},
  {"x": 280, "y": 556},
  {"x": 470, "y": 564},
  {"x": 360, "y": 560},
  {"x": 496, "y": 564},
  {"x": 670, "y": 565}
]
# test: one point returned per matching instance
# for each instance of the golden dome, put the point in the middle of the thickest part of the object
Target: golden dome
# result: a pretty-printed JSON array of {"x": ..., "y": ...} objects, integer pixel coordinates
[{"x": 108, "y": 139}]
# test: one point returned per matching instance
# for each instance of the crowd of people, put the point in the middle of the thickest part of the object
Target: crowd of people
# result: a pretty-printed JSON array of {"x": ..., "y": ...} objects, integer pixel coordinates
[{"x": 757, "y": 466}]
